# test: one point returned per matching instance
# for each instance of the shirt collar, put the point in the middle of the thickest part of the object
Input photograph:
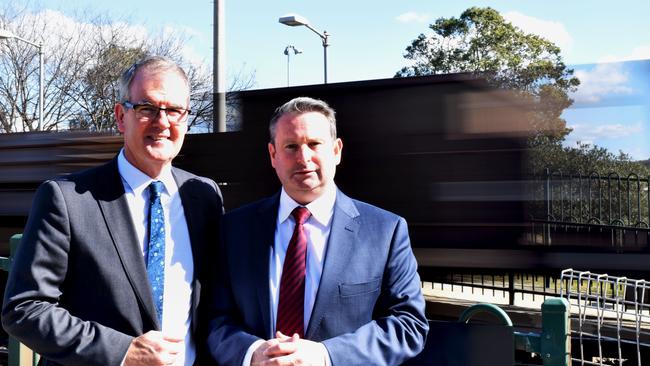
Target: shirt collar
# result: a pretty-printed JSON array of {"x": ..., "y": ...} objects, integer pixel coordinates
[
  {"x": 321, "y": 209},
  {"x": 138, "y": 181}
]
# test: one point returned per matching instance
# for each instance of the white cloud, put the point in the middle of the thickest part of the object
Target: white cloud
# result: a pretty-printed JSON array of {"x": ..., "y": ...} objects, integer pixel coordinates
[
  {"x": 62, "y": 33},
  {"x": 638, "y": 153},
  {"x": 603, "y": 79},
  {"x": 638, "y": 53},
  {"x": 590, "y": 133},
  {"x": 548, "y": 29},
  {"x": 413, "y": 17}
]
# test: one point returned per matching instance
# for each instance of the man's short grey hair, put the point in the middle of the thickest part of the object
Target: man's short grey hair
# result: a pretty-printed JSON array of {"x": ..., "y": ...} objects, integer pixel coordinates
[
  {"x": 301, "y": 105},
  {"x": 152, "y": 63}
]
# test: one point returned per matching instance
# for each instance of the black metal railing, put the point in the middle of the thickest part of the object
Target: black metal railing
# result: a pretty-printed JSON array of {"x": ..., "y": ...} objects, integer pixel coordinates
[
  {"x": 515, "y": 287},
  {"x": 591, "y": 210}
]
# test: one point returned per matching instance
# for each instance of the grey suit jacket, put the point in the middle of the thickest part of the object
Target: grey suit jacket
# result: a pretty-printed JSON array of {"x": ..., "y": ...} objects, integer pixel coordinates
[
  {"x": 78, "y": 291},
  {"x": 369, "y": 308}
]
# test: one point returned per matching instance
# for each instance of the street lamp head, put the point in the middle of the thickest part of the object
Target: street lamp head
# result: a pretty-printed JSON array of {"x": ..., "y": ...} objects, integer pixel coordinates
[
  {"x": 296, "y": 51},
  {"x": 5, "y": 34},
  {"x": 293, "y": 20}
]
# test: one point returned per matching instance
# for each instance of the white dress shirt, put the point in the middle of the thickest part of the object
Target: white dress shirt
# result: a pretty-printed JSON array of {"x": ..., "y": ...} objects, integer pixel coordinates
[
  {"x": 317, "y": 229},
  {"x": 179, "y": 264}
]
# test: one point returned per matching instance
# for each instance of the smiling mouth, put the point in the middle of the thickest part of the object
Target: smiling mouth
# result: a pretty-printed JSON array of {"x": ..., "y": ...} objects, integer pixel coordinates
[{"x": 157, "y": 138}]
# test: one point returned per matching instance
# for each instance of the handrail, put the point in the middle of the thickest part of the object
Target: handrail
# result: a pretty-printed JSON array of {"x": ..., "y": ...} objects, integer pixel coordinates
[
  {"x": 487, "y": 308},
  {"x": 553, "y": 344}
]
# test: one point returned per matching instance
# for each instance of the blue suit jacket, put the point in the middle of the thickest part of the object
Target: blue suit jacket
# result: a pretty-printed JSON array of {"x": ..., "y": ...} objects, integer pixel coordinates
[{"x": 369, "y": 308}]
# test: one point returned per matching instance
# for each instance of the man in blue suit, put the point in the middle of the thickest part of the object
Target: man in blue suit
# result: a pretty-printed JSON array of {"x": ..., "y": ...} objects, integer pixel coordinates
[{"x": 310, "y": 276}]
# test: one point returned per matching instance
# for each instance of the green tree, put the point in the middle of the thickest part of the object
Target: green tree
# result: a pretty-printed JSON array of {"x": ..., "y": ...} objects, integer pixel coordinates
[
  {"x": 482, "y": 42},
  {"x": 585, "y": 159},
  {"x": 589, "y": 184}
]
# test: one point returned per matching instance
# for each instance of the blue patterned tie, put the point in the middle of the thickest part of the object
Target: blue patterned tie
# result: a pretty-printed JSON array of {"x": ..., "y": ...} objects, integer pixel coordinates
[{"x": 156, "y": 249}]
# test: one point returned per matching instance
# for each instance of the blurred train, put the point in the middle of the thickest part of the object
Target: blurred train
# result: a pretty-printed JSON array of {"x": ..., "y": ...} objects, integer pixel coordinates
[{"x": 446, "y": 152}]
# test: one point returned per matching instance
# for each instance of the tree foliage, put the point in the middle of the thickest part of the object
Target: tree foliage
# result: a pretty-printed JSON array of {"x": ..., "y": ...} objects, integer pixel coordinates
[
  {"x": 83, "y": 60},
  {"x": 482, "y": 42},
  {"x": 96, "y": 91},
  {"x": 583, "y": 159}
]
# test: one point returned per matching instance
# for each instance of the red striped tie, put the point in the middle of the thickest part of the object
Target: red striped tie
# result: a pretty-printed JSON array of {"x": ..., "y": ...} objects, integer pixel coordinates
[{"x": 292, "y": 284}]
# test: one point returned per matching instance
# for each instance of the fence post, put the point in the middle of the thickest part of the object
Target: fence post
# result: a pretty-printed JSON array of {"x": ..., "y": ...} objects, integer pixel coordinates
[
  {"x": 555, "y": 342},
  {"x": 18, "y": 353},
  {"x": 511, "y": 288},
  {"x": 546, "y": 234}
]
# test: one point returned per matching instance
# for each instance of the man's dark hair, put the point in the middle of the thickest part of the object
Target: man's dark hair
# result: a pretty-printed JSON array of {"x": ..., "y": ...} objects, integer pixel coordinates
[{"x": 301, "y": 105}]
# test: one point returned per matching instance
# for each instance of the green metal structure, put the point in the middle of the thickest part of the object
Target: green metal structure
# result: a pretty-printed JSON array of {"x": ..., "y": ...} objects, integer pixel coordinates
[
  {"x": 19, "y": 354},
  {"x": 553, "y": 344}
]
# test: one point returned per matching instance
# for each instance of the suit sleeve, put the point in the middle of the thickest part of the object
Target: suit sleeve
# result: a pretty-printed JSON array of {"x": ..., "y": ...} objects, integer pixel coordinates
[
  {"x": 399, "y": 326},
  {"x": 227, "y": 340},
  {"x": 31, "y": 309}
]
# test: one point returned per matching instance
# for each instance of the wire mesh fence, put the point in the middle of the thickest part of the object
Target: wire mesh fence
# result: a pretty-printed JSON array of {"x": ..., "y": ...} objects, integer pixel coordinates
[{"x": 610, "y": 318}]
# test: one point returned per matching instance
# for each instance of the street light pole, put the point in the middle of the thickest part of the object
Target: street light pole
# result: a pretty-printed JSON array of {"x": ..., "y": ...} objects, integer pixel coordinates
[
  {"x": 325, "y": 44},
  {"x": 41, "y": 85},
  {"x": 286, "y": 52},
  {"x": 5, "y": 34},
  {"x": 296, "y": 20},
  {"x": 219, "y": 68}
]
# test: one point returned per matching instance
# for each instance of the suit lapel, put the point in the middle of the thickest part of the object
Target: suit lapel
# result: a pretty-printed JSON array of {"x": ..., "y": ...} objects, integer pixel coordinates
[
  {"x": 262, "y": 241},
  {"x": 118, "y": 219},
  {"x": 340, "y": 245}
]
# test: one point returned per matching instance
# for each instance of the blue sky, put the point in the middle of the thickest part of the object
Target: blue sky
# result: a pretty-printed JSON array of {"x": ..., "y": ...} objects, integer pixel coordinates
[
  {"x": 612, "y": 107},
  {"x": 368, "y": 39}
]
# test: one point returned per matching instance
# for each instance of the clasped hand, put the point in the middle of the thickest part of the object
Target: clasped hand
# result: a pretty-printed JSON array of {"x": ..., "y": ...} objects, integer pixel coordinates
[
  {"x": 154, "y": 349},
  {"x": 285, "y": 350}
]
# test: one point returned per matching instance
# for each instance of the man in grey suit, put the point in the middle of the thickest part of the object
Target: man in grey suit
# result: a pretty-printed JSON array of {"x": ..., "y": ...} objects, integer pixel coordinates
[
  {"x": 310, "y": 276},
  {"x": 113, "y": 259}
]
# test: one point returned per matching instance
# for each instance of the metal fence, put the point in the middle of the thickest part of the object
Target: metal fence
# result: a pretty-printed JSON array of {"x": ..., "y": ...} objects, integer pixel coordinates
[
  {"x": 601, "y": 211},
  {"x": 511, "y": 288},
  {"x": 611, "y": 318}
]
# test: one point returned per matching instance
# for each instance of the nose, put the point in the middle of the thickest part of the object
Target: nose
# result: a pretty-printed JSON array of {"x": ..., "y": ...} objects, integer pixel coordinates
[
  {"x": 161, "y": 117},
  {"x": 304, "y": 154}
]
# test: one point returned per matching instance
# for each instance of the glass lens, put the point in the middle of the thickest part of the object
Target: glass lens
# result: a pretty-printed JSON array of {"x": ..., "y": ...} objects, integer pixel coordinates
[{"x": 148, "y": 112}]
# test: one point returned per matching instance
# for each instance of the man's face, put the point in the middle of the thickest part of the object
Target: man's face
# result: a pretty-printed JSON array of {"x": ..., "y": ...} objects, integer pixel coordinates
[
  {"x": 151, "y": 145},
  {"x": 305, "y": 155}
]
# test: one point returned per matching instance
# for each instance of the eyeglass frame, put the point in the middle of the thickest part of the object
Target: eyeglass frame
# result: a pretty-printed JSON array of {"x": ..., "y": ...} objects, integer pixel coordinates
[{"x": 184, "y": 112}]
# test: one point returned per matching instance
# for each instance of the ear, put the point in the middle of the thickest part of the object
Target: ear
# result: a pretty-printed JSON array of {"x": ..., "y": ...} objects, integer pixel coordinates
[
  {"x": 338, "y": 149},
  {"x": 119, "y": 116},
  {"x": 272, "y": 154}
]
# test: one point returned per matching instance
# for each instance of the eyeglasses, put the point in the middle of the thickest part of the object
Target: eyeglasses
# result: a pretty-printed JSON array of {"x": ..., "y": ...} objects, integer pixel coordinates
[{"x": 148, "y": 112}]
